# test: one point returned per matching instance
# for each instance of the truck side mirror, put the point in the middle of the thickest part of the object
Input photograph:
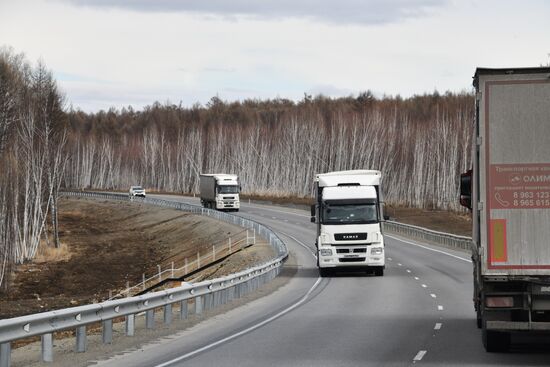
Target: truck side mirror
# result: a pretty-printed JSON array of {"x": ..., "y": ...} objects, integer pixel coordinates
[
  {"x": 466, "y": 189},
  {"x": 386, "y": 217},
  {"x": 312, "y": 212}
]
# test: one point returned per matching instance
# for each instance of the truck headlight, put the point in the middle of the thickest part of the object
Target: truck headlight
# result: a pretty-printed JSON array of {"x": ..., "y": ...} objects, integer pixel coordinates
[
  {"x": 326, "y": 252},
  {"x": 377, "y": 251}
]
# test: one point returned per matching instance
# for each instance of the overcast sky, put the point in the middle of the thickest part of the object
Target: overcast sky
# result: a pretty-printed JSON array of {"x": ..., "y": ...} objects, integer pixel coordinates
[{"x": 117, "y": 53}]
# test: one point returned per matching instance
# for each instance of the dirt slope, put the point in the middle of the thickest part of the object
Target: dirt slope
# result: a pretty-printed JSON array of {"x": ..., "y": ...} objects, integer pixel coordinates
[{"x": 105, "y": 244}]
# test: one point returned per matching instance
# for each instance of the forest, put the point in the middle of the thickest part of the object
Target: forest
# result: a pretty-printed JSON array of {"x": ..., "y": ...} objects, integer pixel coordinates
[{"x": 421, "y": 144}]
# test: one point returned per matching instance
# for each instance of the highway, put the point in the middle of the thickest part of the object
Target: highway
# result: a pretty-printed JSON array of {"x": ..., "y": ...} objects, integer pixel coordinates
[{"x": 419, "y": 313}]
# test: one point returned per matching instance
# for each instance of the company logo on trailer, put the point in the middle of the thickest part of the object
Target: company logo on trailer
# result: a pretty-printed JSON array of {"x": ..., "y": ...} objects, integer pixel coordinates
[
  {"x": 536, "y": 178},
  {"x": 515, "y": 179}
]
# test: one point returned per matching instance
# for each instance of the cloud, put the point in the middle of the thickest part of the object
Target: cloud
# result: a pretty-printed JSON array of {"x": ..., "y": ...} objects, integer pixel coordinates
[{"x": 365, "y": 12}]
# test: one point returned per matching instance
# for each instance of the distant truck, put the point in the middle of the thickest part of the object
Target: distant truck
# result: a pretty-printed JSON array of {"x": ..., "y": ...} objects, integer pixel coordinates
[
  {"x": 220, "y": 191},
  {"x": 348, "y": 212},
  {"x": 508, "y": 191}
]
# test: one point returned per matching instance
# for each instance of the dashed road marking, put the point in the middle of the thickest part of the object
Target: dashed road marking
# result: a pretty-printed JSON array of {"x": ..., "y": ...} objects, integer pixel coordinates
[
  {"x": 420, "y": 355},
  {"x": 438, "y": 326},
  {"x": 433, "y": 295},
  {"x": 399, "y": 264},
  {"x": 440, "y": 308},
  {"x": 424, "y": 286},
  {"x": 390, "y": 259},
  {"x": 416, "y": 278},
  {"x": 408, "y": 270},
  {"x": 428, "y": 248}
]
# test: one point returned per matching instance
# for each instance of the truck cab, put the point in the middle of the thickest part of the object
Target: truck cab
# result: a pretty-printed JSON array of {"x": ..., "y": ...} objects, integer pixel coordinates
[{"x": 348, "y": 213}]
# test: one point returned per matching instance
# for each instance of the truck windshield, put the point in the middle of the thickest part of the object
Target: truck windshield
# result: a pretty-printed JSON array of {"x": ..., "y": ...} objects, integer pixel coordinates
[
  {"x": 228, "y": 189},
  {"x": 349, "y": 214}
]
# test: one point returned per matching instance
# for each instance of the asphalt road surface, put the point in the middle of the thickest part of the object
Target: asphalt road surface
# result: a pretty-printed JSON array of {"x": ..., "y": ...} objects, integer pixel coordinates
[{"x": 419, "y": 313}]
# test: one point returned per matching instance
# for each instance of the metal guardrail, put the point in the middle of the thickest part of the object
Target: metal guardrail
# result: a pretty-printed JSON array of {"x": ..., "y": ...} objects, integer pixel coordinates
[
  {"x": 429, "y": 236},
  {"x": 206, "y": 294}
]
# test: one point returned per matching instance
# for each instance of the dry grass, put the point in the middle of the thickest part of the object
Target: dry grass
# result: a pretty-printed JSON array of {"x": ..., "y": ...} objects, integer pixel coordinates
[{"x": 47, "y": 254}]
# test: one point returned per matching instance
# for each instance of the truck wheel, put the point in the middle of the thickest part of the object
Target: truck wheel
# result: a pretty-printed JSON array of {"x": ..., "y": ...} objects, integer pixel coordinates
[
  {"x": 495, "y": 341},
  {"x": 379, "y": 272},
  {"x": 324, "y": 272}
]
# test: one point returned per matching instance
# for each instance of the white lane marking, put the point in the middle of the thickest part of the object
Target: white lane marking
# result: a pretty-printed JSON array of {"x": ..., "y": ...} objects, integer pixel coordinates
[
  {"x": 440, "y": 308},
  {"x": 253, "y": 327},
  {"x": 433, "y": 295},
  {"x": 313, "y": 253},
  {"x": 428, "y": 248},
  {"x": 399, "y": 264},
  {"x": 390, "y": 259},
  {"x": 424, "y": 286},
  {"x": 416, "y": 278},
  {"x": 420, "y": 355},
  {"x": 286, "y": 220},
  {"x": 273, "y": 217},
  {"x": 438, "y": 326},
  {"x": 298, "y": 223},
  {"x": 408, "y": 270}
]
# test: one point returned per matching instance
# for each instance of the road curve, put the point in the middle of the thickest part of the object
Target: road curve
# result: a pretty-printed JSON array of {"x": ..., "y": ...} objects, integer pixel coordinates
[{"x": 420, "y": 312}]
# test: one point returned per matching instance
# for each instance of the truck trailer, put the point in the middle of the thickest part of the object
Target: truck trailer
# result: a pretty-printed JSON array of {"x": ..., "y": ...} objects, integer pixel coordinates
[
  {"x": 508, "y": 192},
  {"x": 348, "y": 212},
  {"x": 220, "y": 191}
]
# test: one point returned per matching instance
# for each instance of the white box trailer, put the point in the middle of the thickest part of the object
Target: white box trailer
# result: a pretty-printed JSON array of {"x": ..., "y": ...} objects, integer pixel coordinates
[
  {"x": 220, "y": 191},
  {"x": 508, "y": 190},
  {"x": 348, "y": 212}
]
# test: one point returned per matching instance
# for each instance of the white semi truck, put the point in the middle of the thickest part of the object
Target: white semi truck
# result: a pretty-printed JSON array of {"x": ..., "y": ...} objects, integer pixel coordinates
[
  {"x": 220, "y": 191},
  {"x": 508, "y": 191},
  {"x": 348, "y": 213}
]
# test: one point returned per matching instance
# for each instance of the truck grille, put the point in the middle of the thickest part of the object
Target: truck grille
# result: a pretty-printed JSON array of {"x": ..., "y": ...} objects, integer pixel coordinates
[
  {"x": 352, "y": 259},
  {"x": 350, "y": 236}
]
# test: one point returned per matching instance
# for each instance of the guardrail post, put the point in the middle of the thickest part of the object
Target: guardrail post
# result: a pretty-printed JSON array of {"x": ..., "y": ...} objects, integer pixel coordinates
[
  {"x": 150, "y": 319},
  {"x": 107, "y": 332},
  {"x": 130, "y": 325},
  {"x": 160, "y": 273},
  {"x": 168, "y": 314},
  {"x": 183, "y": 309},
  {"x": 216, "y": 298},
  {"x": 213, "y": 253},
  {"x": 47, "y": 347},
  {"x": 5, "y": 354},
  {"x": 229, "y": 247},
  {"x": 81, "y": 339},
  {"x": 172, "y": 269},
  {"x": 198, "y": 305},
  {"x": 185, "y": 267},
  {"x": 143, "y": 281},
  {"x": 198, "y": 260}
]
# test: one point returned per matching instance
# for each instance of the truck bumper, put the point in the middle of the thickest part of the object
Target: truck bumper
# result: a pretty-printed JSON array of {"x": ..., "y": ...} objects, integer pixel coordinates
[
  {"x": 341, "y": 261},
  {"x": 228, "y": 205},
  {"x": 517, "y": 326}
]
